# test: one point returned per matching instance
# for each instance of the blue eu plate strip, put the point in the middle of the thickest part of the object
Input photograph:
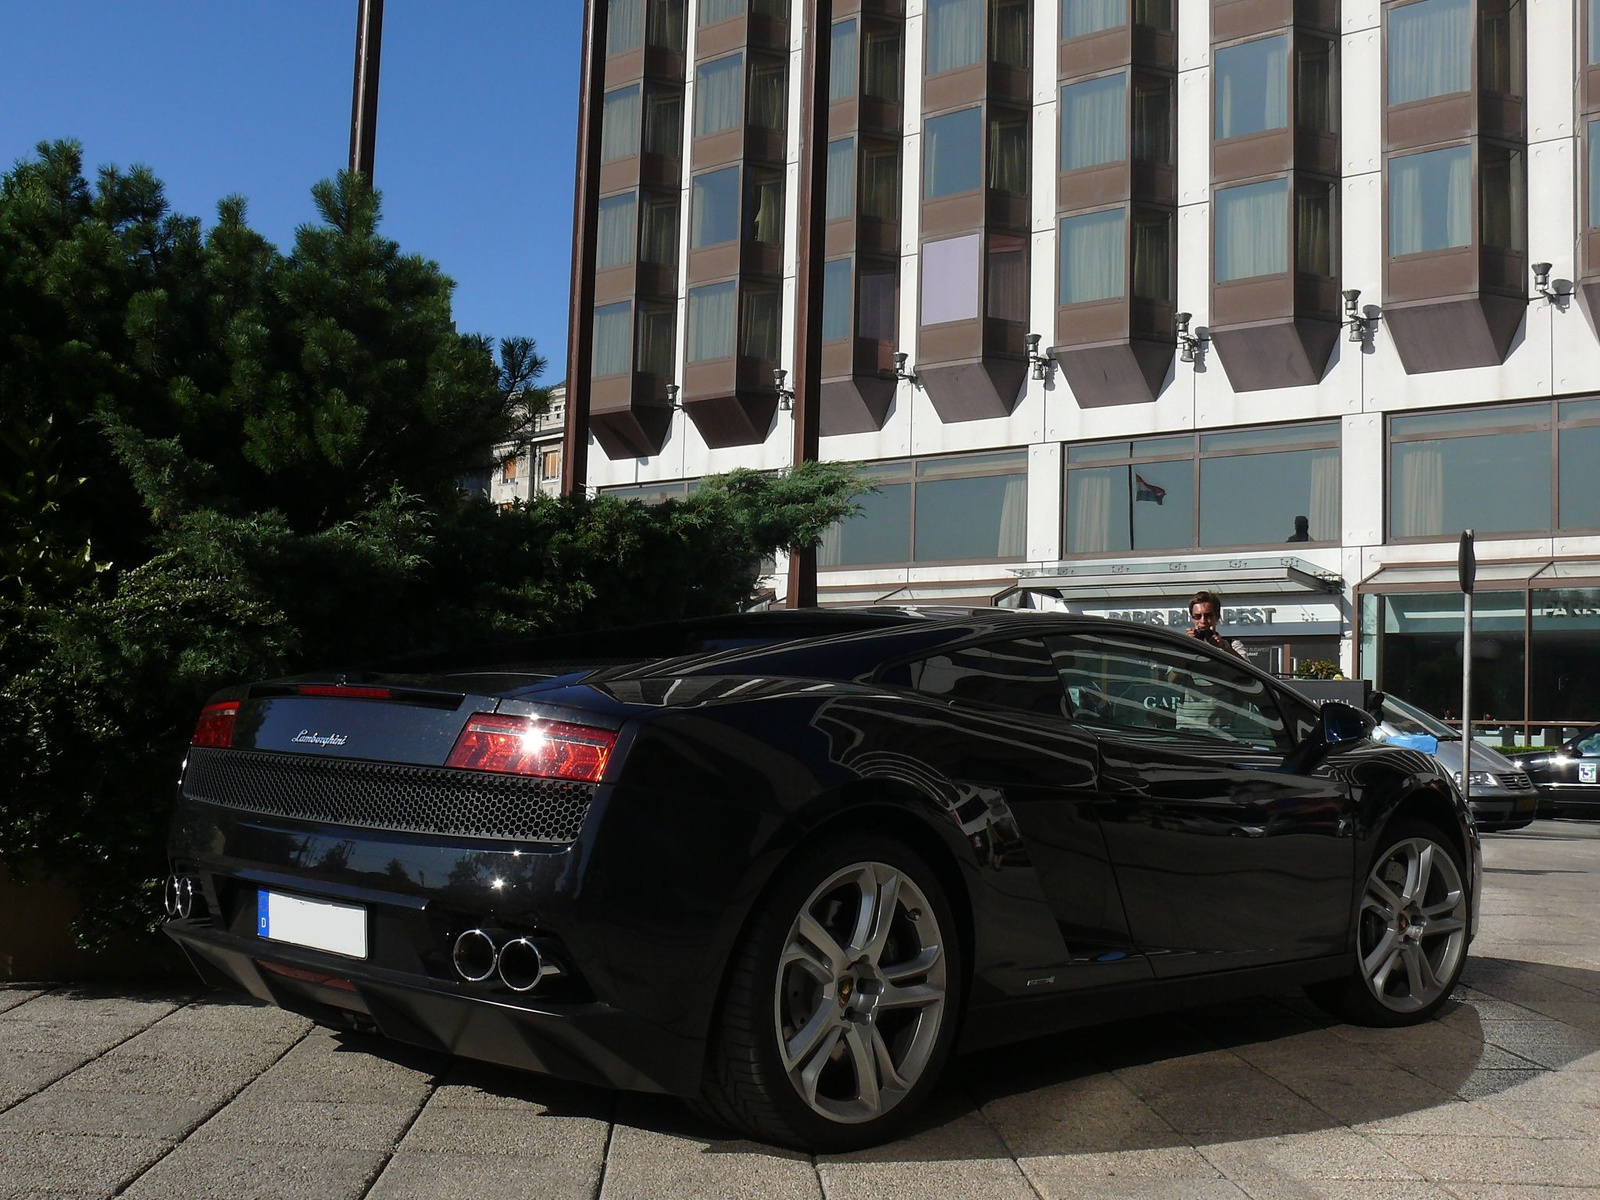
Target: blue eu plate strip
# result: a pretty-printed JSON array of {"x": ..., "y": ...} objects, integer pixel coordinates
[{"x": 261, "y": 912}]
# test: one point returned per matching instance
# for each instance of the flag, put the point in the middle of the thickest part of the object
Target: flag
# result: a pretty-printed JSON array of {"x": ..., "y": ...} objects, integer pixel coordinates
[{"x": 1145, "y": 490}]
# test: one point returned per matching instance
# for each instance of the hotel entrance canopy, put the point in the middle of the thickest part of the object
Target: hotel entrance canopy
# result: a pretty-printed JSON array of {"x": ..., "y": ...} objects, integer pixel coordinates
[{"x": 1168, "y": 579}]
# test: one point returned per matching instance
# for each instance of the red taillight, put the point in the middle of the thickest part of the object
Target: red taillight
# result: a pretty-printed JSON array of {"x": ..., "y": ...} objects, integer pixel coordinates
[
  {"x": 343, "y": 692},
  {"x": 215, "y": 726},
  {"x": 529, "y": 746}
]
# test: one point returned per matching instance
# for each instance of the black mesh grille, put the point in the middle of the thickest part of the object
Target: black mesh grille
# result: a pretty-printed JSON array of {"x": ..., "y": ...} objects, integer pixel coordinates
[
  {"x": 1516, "y": 782},
  {"x": 390, "y": 795}
]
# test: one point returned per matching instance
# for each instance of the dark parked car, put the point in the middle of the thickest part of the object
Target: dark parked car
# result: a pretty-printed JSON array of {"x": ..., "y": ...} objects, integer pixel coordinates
[
  {"x": 1569, "y": 776},
  {"x": 785, "y": 864}
]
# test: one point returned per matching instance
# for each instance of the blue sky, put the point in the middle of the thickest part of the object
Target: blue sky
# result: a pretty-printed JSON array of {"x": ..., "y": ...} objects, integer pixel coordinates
[{"x": 477, "y": 123}]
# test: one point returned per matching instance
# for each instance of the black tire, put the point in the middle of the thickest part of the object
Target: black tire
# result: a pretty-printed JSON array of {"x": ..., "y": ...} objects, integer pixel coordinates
[
  {"x": 776, "y": 999},
  {"x": 1408, "y": 955}
]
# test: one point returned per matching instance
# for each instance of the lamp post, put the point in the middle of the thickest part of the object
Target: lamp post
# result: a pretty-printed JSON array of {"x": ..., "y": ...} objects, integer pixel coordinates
[{"x": 364, "y": 102}]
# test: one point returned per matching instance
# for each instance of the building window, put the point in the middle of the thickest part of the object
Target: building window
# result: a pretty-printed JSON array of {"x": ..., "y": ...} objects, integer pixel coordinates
[
  {"x": 1007, "y": 287},
  {"x": 970, "y": 507},
  {"x": 769, "y": 85},
  {"x": 762, "y": 316},
  {"x": 1252, "y": 83},
  {"x": 882, "y": 78},
  {"x": 660, "y": 241},
  {"x": 550, "y": 464},
  {"x": 718, "y": 91},
  {"x": 842, "y": 65},
  {"x": 715, "y": 208},
  {"x": 712, "y": 11},
  {"x": 1008, "y": 154},
  {"x": 711, "y": 321},
  {"x": 1153, "y": 100},
  {"x": 1252, "y": 230},
  {"x": 1502, "y": 181},
  {"x": 1594, "y": 31},
  {"x": 1314, "y": 226},
  {"x": 1440, "y": 464},
  {"x": 1317, "y": 86},
  {"x": 1430, "y": 201},
  {"x": 880, "y": 184},
  {"x": 841, "y": 197},
  {"x": 624, "y": 26},
  {"x": 1080, "y": 17},
  {"x": 955, "y": 34},
  {"x": 663, "y": 122},
  {"x": 657, "y": 331},
  {"x": 1594, "y": 172},
  {"x": 1094, "y": 122},
  {"x": 1009, "y": 44},
  {"x": 952, "y": 153},
  {"x": 667, "y": 25},
  {"x": 1421, "y": 650},
  {"x": 1152, "y": 256},
  {"x": 1156, "y": 14},
  {"x": 508, "y": 470},
  {"x": 1500, "y": 47},
  {"x": 836, "y": 300},
  {"x": 1430, "y": 49},
  {"x": 1143, "y": 495},
  {"x": 950, "y": 279},
  {"x": 613, "y": 339},
  {"x": 876, "y": 315},
  {"x": 766, "y": 207},
  {"x": 1093, "y": 249},
  {"x": 1578, "y": 465},
  {"x": 619, "y": 124},
  {"x": 615, "y": 234}
]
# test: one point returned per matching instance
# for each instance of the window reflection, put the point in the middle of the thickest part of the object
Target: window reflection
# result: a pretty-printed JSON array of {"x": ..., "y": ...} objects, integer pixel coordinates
[
  {"x": 1438, "y": 482},
  {"x": 1008, "y": 154},
  {"x": 657, "y": 327},
  {"x": 715, "y": 208},
  {"x": 1252, "y": 230},
  {"x": 619, "y": 124},
  {"x": 614, "y": 231},
  {"x": 711, "y": 321},
  {"x": 1502, "y": 184},
  {"x": 613, "y": 339},
  {"x": 1430, "y": 201},
  {"x": 1092, "y": 248},
  {"x": 842, "y": 66},
  {"x": 1252, "y": 86},
  {"x": 952, "y": 153},
  {"x": 967, "y": 507},
  {"x": 719, "y": 91},
  {"x": 841, "y": 192},
  {"x": 1421, "y": 648},
  {"x": 836, "y": 299},
  {"x": 1094, "y": 122},
  {"x": 758, "y": 335},
  {"x": 1564, "y": 663}
]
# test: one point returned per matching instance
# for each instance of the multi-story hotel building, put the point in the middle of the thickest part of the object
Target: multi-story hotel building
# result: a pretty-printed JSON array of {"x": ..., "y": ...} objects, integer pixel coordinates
[{"x": 1123, "y": 298}]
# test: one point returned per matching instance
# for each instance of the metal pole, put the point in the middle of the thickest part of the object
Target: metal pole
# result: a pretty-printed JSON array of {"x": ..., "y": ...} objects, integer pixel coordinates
[
  {"x": 364, "y": 103},
  {"x": 585, "y": 215},
  {"x": 1467, "y": 567},
  {"x": 808, "y": 273}
]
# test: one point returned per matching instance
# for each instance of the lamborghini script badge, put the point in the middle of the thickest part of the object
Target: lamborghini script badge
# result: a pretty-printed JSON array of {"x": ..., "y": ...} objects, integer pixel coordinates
[{"x": 321, "y": 739}]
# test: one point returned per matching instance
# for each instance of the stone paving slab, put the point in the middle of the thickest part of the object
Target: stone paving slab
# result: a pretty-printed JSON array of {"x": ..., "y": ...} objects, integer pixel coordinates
[{"x": 183, "y": 1093}]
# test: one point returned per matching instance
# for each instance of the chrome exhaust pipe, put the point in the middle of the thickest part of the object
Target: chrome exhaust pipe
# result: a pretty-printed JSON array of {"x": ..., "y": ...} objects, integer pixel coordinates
[
  {"x": 185, "y": 898},
  {"x": 521, "y": 965},
  {"x": 169, "y": 897},
  {"x": 178, "y": 897},
  {"x": 474, "y": 956}
]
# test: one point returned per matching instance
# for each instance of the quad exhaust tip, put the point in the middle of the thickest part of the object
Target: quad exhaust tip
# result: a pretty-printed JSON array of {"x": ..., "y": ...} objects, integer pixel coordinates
[
  {"x": 519, "y": 963},
  {"x": 474, "y": 956}
]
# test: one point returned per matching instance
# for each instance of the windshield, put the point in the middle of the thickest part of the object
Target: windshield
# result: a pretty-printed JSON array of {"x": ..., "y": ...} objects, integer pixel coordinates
[{"x": 1407, "y": 718}]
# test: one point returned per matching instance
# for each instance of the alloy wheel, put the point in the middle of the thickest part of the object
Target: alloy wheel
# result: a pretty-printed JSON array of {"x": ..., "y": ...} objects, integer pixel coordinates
[
  {"x": 1412, "y": 926},
  {"x": 861, "y": 992}
]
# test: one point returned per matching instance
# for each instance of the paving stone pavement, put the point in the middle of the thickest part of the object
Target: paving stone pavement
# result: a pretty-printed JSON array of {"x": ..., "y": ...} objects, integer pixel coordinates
[{"x": 187, "y": 1093}]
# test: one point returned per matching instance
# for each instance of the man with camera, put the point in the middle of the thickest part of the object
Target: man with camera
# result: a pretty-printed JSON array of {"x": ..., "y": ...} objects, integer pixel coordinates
[{"x": 1205, "y": 610}]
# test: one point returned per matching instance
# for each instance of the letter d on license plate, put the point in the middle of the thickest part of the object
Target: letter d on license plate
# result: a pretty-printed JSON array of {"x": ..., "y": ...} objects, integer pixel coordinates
[{"x": 315, "y": 924}]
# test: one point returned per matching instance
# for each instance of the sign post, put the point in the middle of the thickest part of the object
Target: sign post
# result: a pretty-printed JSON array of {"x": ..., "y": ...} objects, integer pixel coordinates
[{"x": 1467, "y": 571}]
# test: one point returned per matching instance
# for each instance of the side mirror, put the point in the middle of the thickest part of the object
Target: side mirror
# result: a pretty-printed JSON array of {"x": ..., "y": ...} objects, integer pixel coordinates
[
  {"x": 1375, "y": 704},
  {"x": 1343, "y": 723}
]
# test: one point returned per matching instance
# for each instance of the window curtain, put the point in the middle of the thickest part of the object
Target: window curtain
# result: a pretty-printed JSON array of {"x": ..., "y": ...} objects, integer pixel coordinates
[
  {"x": 768, "y": 93},
  {"x": 1008, "y": 156},
  {"x": 663, "y": 123},
  {"x": 882, "y": 81},
  {"x": 1009, "y": 46},
  {"x": 831, "y": 551},
  {"x": 661, "y": 232},
  {"x": 712, "y": 11},
  {"x": 836, "y": 300},
  {"x": 667, "y": 24},
  {"x": 1089, "y": 518},
  {"x": 711, "y": 322},
  {"x": 613, "y": 339},
  {"x": 955, "y": 34},
  {"x": 1419, "y": 486},
  {"x": 876, "y": 317},
  {"x": 1430, "y": 201},
  {"x": 841, "y": 199},
  {"x": 1079, "y": 17},
  {"x": 624, "y": 25},
  {"x": 843, "y": 67},
  {"x": 1093, "y": 258},
  {"x": 1314, "y": 231},
  {"x": 1152, "y": 257},
  {"x": 1252, "y": 230},
  {"x": 717, "y": 86},
  {"x": 1253, "y": 87},
  {"x": 880, "y": 186},
  {"x": 1152, "y": 123},
  {"x": 655, "y": 341},
  {"x": 1317, "y": 101},
  {"x": 766, "y": 211},
  {"x": 1500, "y": 177},
  {"x": 619, "y": 124},
  {"x": 762, "y": 313},
  {"x": 614, "y": 235},
  {"x": 1324, "y": 514},
  {"x": 1014, "y": 518},
  {"x": 1094, "y": 122},
  {"x": 1594, "y": 172},
  {"x": 1153, "y": 14},
  {"x": 1008, "y": 280},
  {"x": 1430, "y": 50},
  {"x": 1594, "y": 31}
]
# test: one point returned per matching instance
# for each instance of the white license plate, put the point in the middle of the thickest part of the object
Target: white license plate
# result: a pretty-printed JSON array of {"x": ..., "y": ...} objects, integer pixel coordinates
[{"x": 316, "y": 924}]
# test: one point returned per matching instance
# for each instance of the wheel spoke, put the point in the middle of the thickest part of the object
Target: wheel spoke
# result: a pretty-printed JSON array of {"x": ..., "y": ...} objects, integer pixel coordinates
[
  {"x": 918, "y": 995},
  {"x": 798, "y": 1049},
  {"x": 893, "y": 1081},
  {"x": 1381, "y": 976},
  {"x": 1382, "y": 897},
  {"x": 1443, "y": 925},
  {"x": 924, "y": 962},
  {"x": 809, "y": 928},
  {"x": 1423, "y": 876},
  {"x": 884, "y": 903},
  {"x": 812, "y": 1071},
  {"x": 866, "y": 1066},
  {"x": 1383, "y": 950},
  {"x": 1420, "y": 978},
  {"x": 1447, "y": 905}
]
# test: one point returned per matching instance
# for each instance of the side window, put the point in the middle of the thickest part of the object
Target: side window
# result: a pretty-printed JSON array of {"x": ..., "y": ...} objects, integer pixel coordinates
[
  {"x": 1151, "y": 685},
  {"x": 1016, "y": 673}
]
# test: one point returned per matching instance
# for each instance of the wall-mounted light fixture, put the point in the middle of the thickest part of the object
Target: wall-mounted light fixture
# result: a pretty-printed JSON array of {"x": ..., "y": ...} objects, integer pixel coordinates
[
  {"x": 900, "y": 371},
  {"x": 1190, "y": 345},
  {"x": 1541, "y": 281},
  {"x": 1041, "y": 363},
  {"x": 1360, "y": 326},
  {"x": 785, "y": 394},
  {"x": 672, "y": 396}
]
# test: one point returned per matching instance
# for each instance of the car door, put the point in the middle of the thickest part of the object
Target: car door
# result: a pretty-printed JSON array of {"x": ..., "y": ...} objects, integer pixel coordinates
[
  {"x": 1585, "y": 753},
  {"x": 1224, "y": 858}
]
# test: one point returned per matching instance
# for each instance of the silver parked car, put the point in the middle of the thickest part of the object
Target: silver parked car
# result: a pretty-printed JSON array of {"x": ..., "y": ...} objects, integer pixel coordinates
[{"x": 1503, "y": 795}]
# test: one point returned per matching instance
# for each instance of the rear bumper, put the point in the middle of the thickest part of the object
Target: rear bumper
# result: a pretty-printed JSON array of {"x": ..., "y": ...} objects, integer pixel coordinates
[{"x": 587, "y": 1042}]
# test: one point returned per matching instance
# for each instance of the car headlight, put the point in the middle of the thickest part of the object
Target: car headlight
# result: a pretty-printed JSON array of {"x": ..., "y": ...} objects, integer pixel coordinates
[{"x": 1478, "y": 779}]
